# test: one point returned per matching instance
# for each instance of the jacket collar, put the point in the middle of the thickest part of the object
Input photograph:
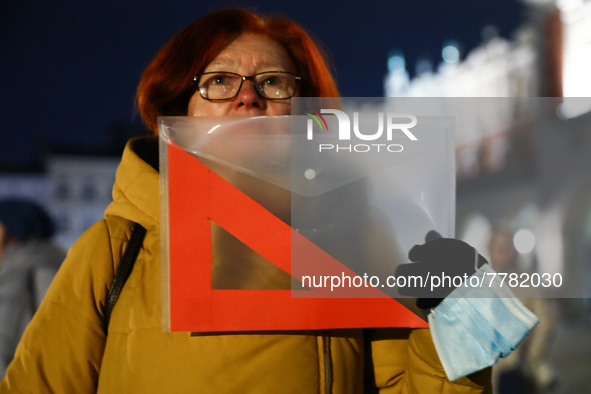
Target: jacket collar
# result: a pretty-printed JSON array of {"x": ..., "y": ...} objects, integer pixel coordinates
[{"x": 137, "y": 184}]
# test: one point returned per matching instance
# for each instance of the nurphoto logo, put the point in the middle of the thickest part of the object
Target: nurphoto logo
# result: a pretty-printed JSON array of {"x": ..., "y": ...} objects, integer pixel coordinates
[{"x": 381, "y": 138}]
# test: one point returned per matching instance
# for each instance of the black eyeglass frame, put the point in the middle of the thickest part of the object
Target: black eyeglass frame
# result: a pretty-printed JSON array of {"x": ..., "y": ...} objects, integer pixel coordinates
[{"x": 243, "y": 78}]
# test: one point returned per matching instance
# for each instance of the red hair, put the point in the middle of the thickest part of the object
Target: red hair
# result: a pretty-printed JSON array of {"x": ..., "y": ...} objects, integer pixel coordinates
[{"x": 166, "y": 86}]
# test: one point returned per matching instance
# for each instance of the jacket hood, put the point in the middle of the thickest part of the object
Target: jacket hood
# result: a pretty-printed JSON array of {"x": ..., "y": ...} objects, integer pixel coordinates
[{"x": 137, "y": 184}]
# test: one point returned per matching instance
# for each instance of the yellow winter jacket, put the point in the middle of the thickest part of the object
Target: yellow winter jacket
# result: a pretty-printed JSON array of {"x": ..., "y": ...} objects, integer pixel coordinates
[{"x": 64, "y": 349}]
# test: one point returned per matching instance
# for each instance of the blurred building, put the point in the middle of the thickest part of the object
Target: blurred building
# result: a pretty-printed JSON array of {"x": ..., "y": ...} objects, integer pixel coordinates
[
  {"x": 79, "y": 191},
  {"x": 72, "y": 182},
  {"x": 74, "y": 189},
  {"x": 33, "y": 185},
  {"x": 524, "y": 166}
]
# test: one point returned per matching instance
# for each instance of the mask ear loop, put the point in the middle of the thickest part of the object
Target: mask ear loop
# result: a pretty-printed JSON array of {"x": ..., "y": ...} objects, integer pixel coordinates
[{"x": 475, "y": 269}]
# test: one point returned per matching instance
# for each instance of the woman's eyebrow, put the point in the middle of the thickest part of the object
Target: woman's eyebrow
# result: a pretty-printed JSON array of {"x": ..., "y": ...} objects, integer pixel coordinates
[{"x": 230, "y": 63}]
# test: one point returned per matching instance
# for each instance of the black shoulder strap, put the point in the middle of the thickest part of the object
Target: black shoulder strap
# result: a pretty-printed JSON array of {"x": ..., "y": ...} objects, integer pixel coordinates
[{"x": 124, "y": 270}]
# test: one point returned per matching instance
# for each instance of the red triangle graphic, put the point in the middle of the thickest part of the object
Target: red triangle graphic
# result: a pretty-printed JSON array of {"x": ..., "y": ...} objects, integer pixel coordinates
[{"x": 197, "y": 195}]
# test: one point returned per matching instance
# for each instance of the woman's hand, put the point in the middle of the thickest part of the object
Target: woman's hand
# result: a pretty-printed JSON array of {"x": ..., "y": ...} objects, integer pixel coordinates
[{"x": 442, "y": 264}]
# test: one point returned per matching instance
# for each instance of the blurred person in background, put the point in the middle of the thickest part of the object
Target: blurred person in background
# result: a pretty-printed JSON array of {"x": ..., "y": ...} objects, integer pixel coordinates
[
  {"x": 229, "y": 62},
  {"x": 28, "y": 263},
  {"x": 527, "y": 369}
]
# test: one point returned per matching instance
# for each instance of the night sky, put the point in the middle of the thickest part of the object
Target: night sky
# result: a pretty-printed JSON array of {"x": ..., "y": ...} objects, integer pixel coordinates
[{"x": 69, "y": 69}]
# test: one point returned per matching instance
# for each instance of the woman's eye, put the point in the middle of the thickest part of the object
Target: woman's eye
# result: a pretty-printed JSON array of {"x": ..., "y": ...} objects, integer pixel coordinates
[
  {"x": 271, "y": 81},
  {"x": 219, "y": 80}
]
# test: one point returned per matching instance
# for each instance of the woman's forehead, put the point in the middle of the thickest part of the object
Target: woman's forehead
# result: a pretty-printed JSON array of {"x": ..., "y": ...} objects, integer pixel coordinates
[{"x": 258, "y": 49}]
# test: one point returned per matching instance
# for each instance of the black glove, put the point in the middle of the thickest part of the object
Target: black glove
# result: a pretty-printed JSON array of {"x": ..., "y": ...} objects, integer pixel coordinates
[{"x": 435, "y": 261}]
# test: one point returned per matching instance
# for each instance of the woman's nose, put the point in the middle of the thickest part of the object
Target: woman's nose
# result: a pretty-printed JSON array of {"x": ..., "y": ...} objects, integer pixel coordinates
[{"x": 248, "y": 97}]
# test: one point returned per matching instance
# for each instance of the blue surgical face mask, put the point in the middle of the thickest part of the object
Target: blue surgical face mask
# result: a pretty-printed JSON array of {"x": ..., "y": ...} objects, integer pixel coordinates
[{"x": 474, "y": 326}]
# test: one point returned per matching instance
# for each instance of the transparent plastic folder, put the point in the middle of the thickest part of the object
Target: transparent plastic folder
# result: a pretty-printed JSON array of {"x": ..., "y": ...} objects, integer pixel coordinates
[
  {"x": 369, "y": 201},
  {"x": 250, "y": 205}
]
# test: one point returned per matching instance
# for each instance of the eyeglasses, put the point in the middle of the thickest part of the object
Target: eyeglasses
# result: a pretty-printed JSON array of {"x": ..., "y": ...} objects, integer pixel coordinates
[{"x": 272, "y": 85}]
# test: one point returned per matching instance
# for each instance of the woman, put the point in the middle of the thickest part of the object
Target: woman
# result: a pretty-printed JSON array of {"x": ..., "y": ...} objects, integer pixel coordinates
[
  {"x": 65, "y": 348},
  {"x": 28, "y": 262}
]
